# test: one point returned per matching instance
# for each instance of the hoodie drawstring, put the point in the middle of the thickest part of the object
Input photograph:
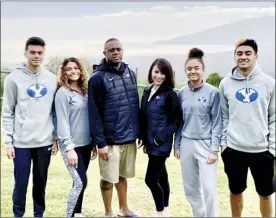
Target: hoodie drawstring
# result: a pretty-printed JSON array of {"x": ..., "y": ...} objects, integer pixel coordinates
[{"x": 131, "y": 77}]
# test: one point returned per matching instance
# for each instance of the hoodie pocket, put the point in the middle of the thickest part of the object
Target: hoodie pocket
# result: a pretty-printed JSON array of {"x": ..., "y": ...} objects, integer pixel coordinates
[{"x": 246, "y": 133}]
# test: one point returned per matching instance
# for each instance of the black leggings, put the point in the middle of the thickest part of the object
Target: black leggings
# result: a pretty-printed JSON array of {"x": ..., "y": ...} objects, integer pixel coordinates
[{"x": 157, "y": 181}]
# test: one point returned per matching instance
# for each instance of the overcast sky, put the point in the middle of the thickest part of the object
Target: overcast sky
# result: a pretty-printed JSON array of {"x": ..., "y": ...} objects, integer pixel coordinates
[{"x": 80, "y": 28}]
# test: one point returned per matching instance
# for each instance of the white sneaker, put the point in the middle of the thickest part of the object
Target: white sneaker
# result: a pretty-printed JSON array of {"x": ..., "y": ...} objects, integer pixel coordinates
[
  {"x": 166, "y": 212},
  {"x": 79, "y": 215},
  {"x": 160, "y": 213}
]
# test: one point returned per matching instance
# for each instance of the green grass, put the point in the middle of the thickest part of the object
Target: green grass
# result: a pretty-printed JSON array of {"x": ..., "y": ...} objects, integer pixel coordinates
[{"x": 140, "y": 199}]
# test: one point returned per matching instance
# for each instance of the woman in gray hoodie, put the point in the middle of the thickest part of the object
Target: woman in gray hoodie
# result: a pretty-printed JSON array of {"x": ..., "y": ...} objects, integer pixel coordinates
[
  {"x": 197, "y": 140},
  {"x": 73, "y": 129}
]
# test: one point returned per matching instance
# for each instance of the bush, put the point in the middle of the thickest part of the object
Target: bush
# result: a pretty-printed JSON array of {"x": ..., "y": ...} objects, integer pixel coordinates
[{"x": 214, "y": 79}]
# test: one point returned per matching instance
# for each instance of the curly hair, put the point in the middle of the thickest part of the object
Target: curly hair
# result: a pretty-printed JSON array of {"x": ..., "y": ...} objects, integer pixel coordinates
[{"x": 82, "y": 82}]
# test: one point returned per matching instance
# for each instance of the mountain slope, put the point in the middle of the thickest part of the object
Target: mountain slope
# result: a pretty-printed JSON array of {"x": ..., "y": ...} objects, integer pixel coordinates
[{"x": 261, "y": 29}]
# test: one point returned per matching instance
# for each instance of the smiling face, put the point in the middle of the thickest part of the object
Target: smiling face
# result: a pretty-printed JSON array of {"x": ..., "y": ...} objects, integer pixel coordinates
[
  {"x": 157, "y": 77},
  {"x": 194, "y": 69},
  {"x": 72, "y": 72},
  {"x": 245, "y": 57}
]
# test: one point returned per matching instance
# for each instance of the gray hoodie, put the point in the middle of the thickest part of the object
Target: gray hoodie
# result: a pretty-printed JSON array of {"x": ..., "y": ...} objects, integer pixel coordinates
[
  {"x": 201, "y": 118},
  {"x": 27, "y": 109},
  {"x": 72, "y": 119},
  {"x": 248, "y": 111}
]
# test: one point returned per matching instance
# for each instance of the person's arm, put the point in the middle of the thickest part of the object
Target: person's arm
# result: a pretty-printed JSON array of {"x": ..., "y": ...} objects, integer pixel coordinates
[
  {"x": 54, "y": 116},
  {"x": 177, "y": 137},
  {"x": 96, "y": 103},
  {"x": 225, "y": 114},
  {"x": 216, "y": 119},
  {"x": 142, "y": 121},
  {"x": 173, "y": 116},
  {"x": 271, "y": 123},
  {"x": 62, "y": 117},
  {"x": 8, "y": 110}
]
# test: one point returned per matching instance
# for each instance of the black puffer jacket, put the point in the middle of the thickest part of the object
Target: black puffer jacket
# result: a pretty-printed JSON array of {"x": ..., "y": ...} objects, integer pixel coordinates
[
  {"x": 113, "y": 105},
  {"x": 159, "y": 119}
]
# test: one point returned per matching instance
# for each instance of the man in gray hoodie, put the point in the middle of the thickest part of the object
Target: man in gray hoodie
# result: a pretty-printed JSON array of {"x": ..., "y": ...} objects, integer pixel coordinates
[
  {"x": 28, "y": 122},
  {"x": 248, "y": 138}
]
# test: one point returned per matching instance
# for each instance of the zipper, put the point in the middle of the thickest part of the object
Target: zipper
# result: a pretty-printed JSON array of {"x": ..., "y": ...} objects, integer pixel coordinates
[{"x": 128, "y": 103}]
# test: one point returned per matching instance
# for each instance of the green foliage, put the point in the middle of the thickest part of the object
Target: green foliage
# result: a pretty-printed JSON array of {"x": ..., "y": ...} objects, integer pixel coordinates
[
  {"x": 3, "y": 76},
  {"x": 214, "y": 79}
]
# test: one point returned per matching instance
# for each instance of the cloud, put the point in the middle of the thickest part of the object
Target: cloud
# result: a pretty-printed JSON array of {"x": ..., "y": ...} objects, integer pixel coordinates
[{"x": 136, "y": 29}]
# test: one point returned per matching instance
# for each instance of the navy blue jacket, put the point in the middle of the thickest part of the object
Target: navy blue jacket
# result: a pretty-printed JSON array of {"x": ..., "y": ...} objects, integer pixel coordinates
[
  {"x": 159, "y": 120},
  {"x": 113, "y": 104}
]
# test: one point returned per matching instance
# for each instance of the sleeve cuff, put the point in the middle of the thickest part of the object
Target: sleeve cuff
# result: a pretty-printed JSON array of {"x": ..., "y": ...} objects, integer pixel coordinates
[
  {"x": 70, "y": 147},
  {"x": 101, "y": 145},
  {"x": 9, "y": 145},
  {"x": 56, "y": 138},
  {"x": 223, "y": 142}
]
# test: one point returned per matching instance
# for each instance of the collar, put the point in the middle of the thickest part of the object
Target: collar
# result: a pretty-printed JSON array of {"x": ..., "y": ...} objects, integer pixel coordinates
[{"x": 197, "y": 88}]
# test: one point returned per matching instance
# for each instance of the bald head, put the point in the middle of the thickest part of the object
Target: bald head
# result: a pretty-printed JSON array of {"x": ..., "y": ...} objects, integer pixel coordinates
[{"x": 110, "y": 40}]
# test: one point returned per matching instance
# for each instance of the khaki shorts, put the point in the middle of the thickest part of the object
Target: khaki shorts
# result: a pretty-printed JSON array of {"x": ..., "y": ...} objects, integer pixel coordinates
[{"x": 121, "y": 162}]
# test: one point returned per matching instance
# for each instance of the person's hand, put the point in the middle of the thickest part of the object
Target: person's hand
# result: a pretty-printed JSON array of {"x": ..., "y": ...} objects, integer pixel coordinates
[
  {"x": 212, "y": 158},
  {"x": 93, "y": 153},
  {"x": 177, "y": 154},
  {"x": 139, "y": 143},
  {"x": 103, "y": 153},
  {"x": 223, "y": 147},
  {"x": 145, "y": 150},
  {"x": 10, "y": 152},
  {"x": 54, "y": 148},
  {"x": 72, "y": 158}
]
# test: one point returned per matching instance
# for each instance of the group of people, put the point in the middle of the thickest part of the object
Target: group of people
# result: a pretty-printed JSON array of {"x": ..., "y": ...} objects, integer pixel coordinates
[{"x": 102, "y": 116}]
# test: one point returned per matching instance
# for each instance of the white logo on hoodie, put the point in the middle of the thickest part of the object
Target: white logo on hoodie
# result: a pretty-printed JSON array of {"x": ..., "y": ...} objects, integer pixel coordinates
[
  {"x": 247, "y": 95},
  {"x": 37, "y": 91}
]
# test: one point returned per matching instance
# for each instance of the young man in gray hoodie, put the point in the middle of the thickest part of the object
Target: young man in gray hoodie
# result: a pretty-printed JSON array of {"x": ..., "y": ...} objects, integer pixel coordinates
[
  {"x": 28, "y": 122},
  {"x": 248, "y": 138}
]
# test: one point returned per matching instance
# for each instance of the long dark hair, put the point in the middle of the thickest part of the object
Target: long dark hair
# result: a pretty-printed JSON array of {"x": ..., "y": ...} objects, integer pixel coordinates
[{"x": 165, "y": 68}]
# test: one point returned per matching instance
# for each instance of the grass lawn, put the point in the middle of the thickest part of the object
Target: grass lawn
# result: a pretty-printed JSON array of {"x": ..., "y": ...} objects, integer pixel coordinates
[{"x": 140, "y": 200}]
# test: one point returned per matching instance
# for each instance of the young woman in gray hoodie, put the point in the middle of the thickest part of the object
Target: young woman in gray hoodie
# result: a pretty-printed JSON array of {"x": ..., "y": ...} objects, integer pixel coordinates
[
  {"x": 73, "y": 129},
  {"x": 197, "y": 140}
]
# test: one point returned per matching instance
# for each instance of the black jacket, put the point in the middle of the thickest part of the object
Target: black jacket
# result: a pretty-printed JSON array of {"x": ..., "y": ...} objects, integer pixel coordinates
[
  {"x": 159, "y": 119},
  {"x": 113, "y": 104}
]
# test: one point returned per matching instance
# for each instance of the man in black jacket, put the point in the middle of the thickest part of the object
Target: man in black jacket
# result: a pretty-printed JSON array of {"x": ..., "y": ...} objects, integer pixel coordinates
[{"x": 113, "y": 112}]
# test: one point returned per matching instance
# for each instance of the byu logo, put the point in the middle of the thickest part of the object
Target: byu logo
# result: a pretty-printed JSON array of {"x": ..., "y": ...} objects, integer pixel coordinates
[
  {"x": 247, "y": 95},
  {"x": 202, "y": 99},
  {"x": 37, "y": 91}
]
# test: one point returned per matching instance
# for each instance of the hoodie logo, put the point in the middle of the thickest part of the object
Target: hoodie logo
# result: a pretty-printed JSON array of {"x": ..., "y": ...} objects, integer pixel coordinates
[
  {"x": 37, "y": 91},
  {"x": 247, "y": 95},
  {"x": 202, "y": 99}
]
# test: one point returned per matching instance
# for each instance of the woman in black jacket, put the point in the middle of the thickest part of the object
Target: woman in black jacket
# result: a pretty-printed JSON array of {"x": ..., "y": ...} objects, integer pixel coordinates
[{"x": 160, "y": 115}]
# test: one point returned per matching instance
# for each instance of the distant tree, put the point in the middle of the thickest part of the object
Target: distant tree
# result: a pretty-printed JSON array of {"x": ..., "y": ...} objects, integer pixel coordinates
[
  {"x": 214, "y": 79},
  {"x": 54, "y": 64}
]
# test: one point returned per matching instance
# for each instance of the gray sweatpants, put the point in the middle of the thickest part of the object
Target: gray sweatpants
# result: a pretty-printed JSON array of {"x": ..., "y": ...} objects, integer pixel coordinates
[{"x": 199, "y": 177}]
